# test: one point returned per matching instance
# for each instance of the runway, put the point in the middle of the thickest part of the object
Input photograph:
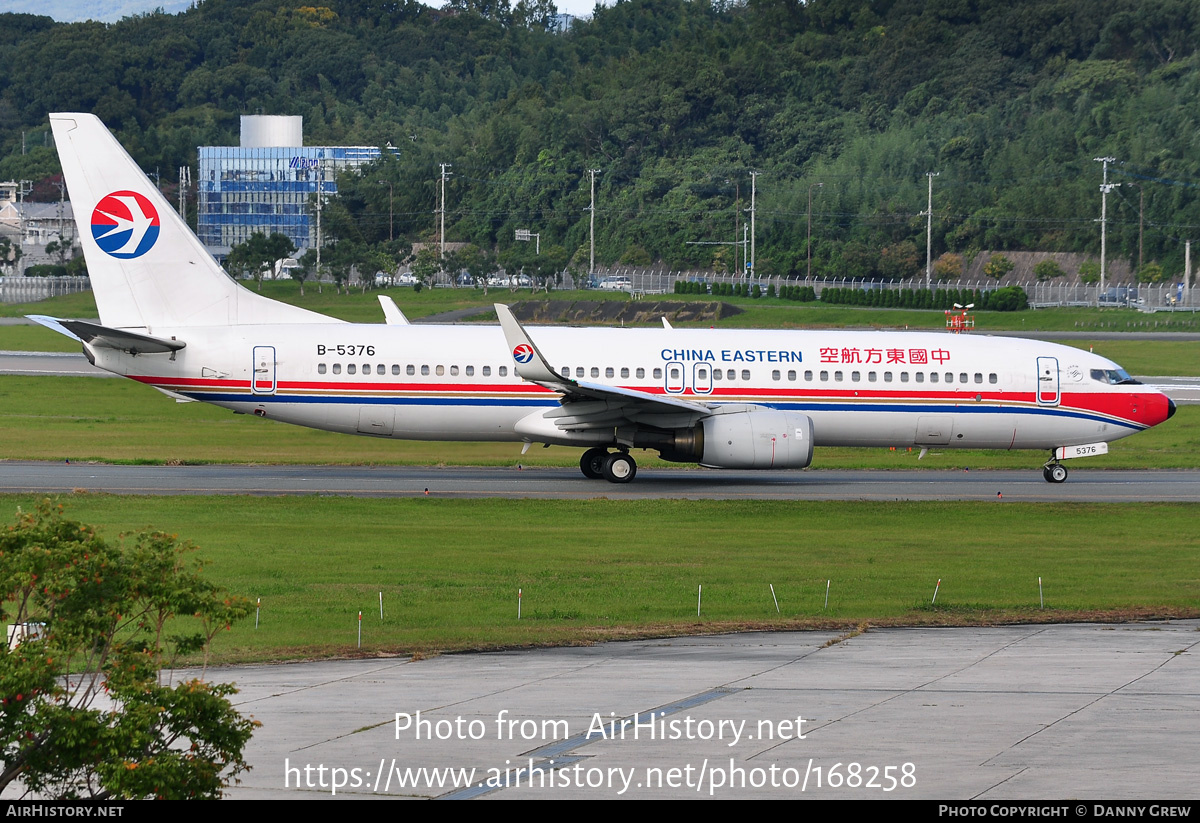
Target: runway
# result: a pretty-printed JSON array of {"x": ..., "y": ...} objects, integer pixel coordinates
[
  {"x": 985, "y": 714},
  {"x": 1084, "y": 485}
]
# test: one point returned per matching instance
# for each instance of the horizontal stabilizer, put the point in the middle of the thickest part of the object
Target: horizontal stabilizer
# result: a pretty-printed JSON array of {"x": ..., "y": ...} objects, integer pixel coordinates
[{"x": 96, "y": 335}]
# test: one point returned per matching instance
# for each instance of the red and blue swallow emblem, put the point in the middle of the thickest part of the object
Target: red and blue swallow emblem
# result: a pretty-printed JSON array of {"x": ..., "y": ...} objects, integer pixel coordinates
[
  {"x": 523, "y": 353},
  {"x": 125, "y": 224}
]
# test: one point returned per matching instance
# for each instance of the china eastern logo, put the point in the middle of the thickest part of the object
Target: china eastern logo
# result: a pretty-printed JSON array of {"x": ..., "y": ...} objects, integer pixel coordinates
[
  {"x": 125, "y": 224},
  {"x": 523, "y": 353}
]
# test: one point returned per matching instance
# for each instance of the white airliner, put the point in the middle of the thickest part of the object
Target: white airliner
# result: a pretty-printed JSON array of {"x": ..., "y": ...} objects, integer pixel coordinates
[{"x": 171, "y": 318}]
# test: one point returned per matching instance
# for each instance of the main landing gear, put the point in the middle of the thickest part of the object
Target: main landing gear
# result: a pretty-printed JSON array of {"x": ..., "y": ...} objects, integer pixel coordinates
[
  {"x": 1054, "y": 472},
  {"x": 615, "y": 467}
]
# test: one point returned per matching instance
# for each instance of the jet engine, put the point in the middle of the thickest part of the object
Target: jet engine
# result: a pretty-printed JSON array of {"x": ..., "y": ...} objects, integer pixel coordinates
[{"x": 764, "y": 439}]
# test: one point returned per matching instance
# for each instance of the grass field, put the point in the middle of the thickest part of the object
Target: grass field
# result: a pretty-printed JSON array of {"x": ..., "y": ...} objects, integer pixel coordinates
[
  {"x": 84, "y": 418},
  {"x": 449, "y": 571}
]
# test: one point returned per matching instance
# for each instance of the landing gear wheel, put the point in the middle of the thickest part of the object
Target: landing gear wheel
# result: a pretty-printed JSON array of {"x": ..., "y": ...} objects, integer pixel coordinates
[
  {"x": 1055, "y": 473},
  {"x": 619, "y": 468},
  {"x": 592, "y": 463}
]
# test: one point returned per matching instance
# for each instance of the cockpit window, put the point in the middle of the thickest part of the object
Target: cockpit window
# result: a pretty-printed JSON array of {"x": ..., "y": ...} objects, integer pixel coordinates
[{"x": 1114, "y": 377}]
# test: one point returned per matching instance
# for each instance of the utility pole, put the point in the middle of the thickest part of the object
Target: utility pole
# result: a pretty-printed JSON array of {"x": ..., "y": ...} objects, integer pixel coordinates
[
  {"x": 1141, "y": 219},
  {"x": 929, "y": 232},
  {"x": 320, "y": 198},
  {"x": 1105, "y": 188},
  {"x": 753, "y": 194},
  {"x": 810, "y": 188},
  {"x": 442, "y": 244},
  {"x": 592, "y": 226},
  {"x": 185, "y": 180},
  {"x": 62, "y": 197},
  {"x": 391, "y": 210},
  {"x": 1187, "y": 272}
]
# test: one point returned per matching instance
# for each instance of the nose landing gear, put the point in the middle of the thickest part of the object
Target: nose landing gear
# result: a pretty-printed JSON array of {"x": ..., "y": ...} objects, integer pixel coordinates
[{"x": 1054, "y": 472}]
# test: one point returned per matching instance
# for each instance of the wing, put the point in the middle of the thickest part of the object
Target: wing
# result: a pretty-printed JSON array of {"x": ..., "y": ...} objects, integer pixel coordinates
[{"x": 587, "y": 405}]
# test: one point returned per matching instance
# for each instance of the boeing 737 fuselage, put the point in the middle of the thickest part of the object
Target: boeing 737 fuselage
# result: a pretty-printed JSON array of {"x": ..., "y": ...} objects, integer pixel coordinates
[{"x": 171, "y": 318}]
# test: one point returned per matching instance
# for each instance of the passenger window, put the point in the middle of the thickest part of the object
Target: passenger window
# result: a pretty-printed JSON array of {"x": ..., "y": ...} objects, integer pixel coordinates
[
  {"x": 504, "y": 371},
  {"x": 579, "y": 371},
  {"x": 920, "y": 377},
  {"x": 903, "y": 377},
  {"x": 775, "y": 375},
  {"x": 872, "y": 376},
  {"x": 824, "y": 377},
  {"x": 441, "y": 370},
  {"x": 745, "y": 374},
  {"x": 962, "y": 377},
  {"x": 641, "y": 373},
  {"x": 949, "y": 377},
  {"x": 658, "y": 374},
  {"x": 320, "y": 368},
  {"x": 716, "y": 374},
  {"x": 993, "y": 378},
  {"x": 624, "y": 372},
  {"x": 610, "y": 372},
  {"x": 425, "y": 370},
  {"x": 395, "y": 369},
  {"x": 978, "y": 377},
  {"x": 595, "y": 372},
  {"x": 856, "y": 376},
  {"x": 487, "y": 371},
  {"x": 454, "y": 371},
  {"x": 410, "y": 370},
  {"x": 792, "y": 375},
  {"x": 933, "y": 377},
  {"x": 470, "y": 371},
  {"x": 350, "y": 368},
  {"x": 366, "y": 368},
  {"x": 702, "y": 374},
  {"x": 887, "y": 377},
  {"x": 566, "y": 371},
  {"x": 337, "y": 368},
  {"x": 837, "y": 376},
  {"x": 808, "y": 375},
  {"x": 381, "y": 369}
]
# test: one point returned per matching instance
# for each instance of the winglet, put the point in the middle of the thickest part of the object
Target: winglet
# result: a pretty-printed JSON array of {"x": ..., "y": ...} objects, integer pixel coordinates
[
  {"x": 529, "y": 362},
  {"x": 391, "y": 312}
]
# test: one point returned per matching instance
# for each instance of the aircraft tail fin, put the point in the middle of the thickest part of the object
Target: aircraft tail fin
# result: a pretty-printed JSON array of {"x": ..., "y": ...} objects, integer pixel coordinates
[{"x": 147, "y": 267}]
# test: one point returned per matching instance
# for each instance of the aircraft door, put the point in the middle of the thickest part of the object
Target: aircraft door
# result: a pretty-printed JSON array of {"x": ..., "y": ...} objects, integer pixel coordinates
[
  {"x": 262, "y": 372},
  {"x": 702, "y": 378},
  {"x": 1048, "y": 391}
]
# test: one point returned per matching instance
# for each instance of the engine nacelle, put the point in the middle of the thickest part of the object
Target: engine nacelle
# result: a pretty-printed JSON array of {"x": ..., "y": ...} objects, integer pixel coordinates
[{"x": 757, "y": 440}]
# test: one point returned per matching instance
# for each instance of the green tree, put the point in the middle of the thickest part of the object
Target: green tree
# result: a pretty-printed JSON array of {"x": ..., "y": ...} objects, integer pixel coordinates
[
  {"x": 478, "y": 263},
  {"x": 1089, "y": 272},
  {"x": 948, "y": 267},
  {"x": 101, "y": 612},
  {"x": 258, "y": 255},
  {"x": 1151, "y": 273},
  {"x": 1047, "y": 270},
  {"x": 425, "y": 265},
  {"x": 997, "y": 266}
]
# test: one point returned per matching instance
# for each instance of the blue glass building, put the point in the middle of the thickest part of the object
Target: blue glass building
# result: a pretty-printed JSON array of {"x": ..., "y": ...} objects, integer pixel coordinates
[{"x": 248, "y": 189}]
